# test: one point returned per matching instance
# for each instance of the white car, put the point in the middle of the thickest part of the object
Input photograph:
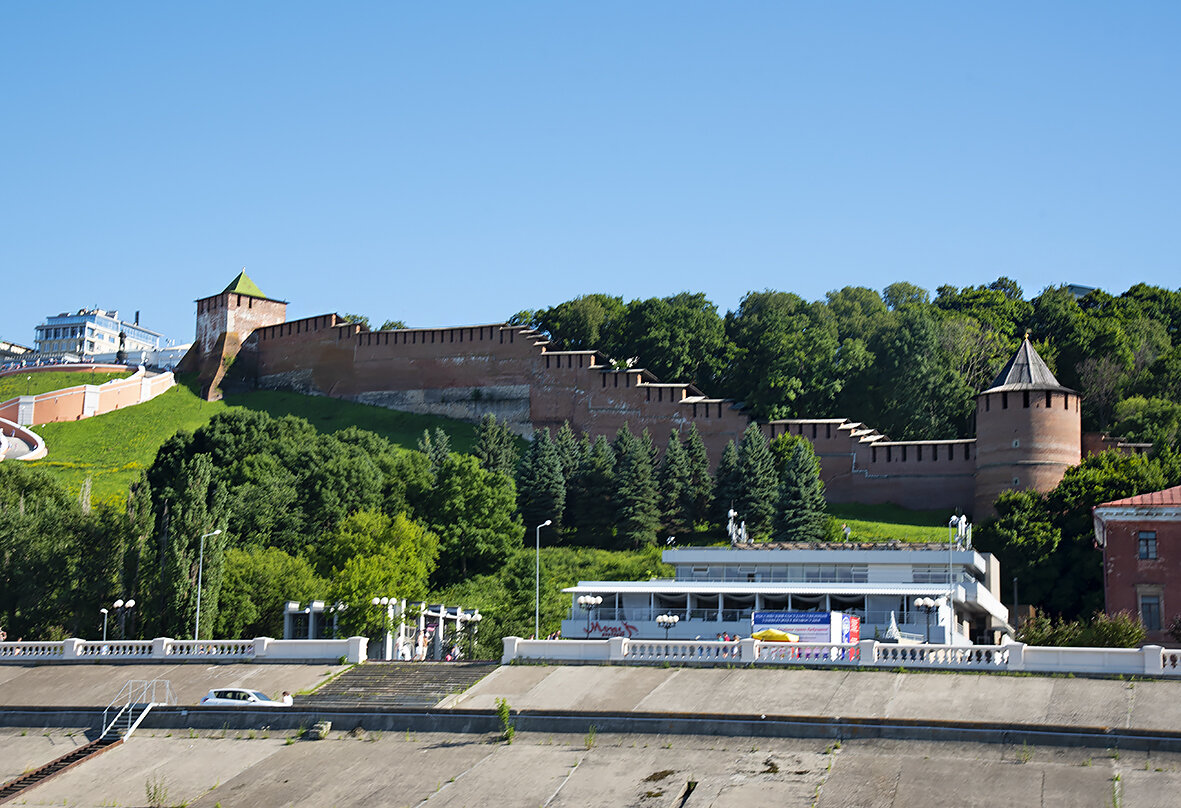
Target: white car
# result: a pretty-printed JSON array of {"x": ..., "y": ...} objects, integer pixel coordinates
[{"x": 239, "y": 697}]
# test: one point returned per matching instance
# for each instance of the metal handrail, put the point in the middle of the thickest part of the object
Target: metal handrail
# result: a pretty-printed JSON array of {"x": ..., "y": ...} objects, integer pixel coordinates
[{"x": 147, "y": 693}]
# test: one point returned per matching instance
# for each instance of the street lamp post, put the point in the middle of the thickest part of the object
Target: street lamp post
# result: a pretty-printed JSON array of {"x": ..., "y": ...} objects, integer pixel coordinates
[
  {"x": 588, "y": 603},
  {"x": 928, "y": 605},
  {"x": 121, "y": 606},
  {"x": 388, "y": 638},
  {"x": 200, "y": 570},
  {"x": 537, "y": 583},
  {"x": 666, "y": 622},
  {"x": 104, "y": 613}
]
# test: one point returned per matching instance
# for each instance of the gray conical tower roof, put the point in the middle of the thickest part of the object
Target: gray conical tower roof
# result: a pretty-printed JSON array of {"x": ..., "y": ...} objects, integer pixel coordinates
[{"x": 1025, "y": 371}]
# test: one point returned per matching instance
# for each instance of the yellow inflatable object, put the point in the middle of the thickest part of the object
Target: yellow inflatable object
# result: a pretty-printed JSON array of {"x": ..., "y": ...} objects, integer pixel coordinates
[{"x": 775, "y": 635}]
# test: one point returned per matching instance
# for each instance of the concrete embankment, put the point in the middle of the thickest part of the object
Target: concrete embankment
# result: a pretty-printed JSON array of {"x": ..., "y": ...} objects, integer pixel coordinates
[
  {"x": 94, "y": 685},
  {"x": 354, "y": 769}
]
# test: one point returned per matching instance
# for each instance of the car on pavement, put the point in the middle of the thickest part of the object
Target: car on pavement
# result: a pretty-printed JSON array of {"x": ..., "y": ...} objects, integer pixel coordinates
[{"x": 239, "y": 697}]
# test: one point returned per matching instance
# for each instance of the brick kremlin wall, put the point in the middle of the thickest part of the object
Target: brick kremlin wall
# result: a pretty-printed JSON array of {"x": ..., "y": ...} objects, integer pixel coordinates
[{"x": 511, "y": 372}]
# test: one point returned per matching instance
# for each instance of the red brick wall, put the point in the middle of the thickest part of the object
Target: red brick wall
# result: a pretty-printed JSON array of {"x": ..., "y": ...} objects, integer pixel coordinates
[
  {"x": 1126, "y": 575},
  {"x": 1023, "y": 443},
  {"x": 858, "y": 465}
]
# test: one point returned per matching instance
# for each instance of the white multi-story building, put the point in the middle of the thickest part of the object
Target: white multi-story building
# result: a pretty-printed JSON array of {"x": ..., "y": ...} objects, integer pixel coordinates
[
  {"x": 91, "y": 332},
  {"x": 717, "y": 588}
]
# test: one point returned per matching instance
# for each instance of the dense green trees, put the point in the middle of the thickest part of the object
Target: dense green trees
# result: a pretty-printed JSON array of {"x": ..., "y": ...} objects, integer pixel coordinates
[
  {"x": 305, "y": 514},
  {"x": 895, "y": 359}
]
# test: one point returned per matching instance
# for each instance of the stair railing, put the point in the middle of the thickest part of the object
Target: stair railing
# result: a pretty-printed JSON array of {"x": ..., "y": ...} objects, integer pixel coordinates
[{"x": 141, "y": 694}]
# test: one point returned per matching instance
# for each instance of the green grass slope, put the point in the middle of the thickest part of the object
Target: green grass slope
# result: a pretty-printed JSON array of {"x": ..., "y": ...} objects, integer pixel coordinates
[
  {"x": 891, "y": 522},
  {"x": 112, "y": 449},
  {"x": 33, "y": 384}
]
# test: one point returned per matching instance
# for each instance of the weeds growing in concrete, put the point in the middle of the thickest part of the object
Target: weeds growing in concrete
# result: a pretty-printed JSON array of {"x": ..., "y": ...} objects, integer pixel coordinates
[
  {"x": 156, "y": 791},
  {"x": 503, "y": 713}
]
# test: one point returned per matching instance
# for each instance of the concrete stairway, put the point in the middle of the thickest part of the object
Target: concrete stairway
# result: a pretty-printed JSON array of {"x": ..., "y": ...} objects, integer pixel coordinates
[
  {"x": 397, "y": 684},
  {"x": 20, "y": 785}
]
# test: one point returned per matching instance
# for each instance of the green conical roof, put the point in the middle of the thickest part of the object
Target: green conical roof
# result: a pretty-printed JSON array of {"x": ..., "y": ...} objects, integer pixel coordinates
[{"x": 242, "y": 285}]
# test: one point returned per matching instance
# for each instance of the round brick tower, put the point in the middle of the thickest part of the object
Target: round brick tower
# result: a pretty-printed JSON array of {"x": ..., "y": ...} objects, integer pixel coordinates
[{"x": 1028, "y": 430}]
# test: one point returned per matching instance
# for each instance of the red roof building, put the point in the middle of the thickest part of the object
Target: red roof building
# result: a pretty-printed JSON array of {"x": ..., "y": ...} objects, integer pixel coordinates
[{"x": 1141, "y": 540}]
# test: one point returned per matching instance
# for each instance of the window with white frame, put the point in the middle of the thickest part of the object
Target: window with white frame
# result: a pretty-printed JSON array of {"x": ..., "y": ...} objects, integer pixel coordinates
[{"x": 1147, "y": 550}]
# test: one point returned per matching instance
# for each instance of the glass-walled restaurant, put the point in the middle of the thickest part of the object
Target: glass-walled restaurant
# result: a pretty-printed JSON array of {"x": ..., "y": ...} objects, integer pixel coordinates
[{"x": 716, "y": 589}]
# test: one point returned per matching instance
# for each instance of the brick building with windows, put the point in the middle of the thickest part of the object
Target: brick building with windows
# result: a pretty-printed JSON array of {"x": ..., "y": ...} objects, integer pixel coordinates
[{"x": 1141, "y": 541}]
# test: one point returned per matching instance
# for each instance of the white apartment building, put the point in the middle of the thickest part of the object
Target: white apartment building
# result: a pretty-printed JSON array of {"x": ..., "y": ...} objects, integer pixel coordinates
[{"x": 90, "y": 332}]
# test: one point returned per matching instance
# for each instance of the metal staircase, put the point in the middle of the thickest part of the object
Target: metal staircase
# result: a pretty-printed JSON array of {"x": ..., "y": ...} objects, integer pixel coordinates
[{"x": 126, "y": 711}]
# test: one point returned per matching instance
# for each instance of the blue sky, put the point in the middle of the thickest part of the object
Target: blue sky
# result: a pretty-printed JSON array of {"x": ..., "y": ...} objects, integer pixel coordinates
[{"x": 448, "y": 163}]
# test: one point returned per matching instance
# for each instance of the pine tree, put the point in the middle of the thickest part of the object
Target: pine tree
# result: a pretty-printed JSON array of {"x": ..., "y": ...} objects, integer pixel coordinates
[
  {"x": 496, "y": 446},
  {"x": 727, "y": 484},
  {"x": 541, "y": 488},
  {"x": 676, "y": 505},
  {"x": 650, "y": 447},
  {"x": 637, "y": 508},
  {"x": 758, "y": 483},
  {"x": 437, "y": 447},
  {"x": 801, "y": 515},
  {"x": 700, "y": 490},
  {"x": 569, "y": 452},
  {"x": 592, "y": 495}
]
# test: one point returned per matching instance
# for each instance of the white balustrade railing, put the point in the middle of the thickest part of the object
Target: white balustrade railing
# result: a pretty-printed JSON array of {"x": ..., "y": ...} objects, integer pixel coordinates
[
  {"x": 1151, "y": 660},
  {"x": 808, "y": 653},
  {"x": 121, "y": 648},
  {"x": 222, "y": 649},
  {"x": 260, "y": 649},
  {"x": 17, "y": 651},
  {"x": 683, "y": 651}
]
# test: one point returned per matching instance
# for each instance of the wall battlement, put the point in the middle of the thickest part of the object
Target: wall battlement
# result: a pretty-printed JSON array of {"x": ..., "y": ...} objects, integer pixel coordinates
[{"x": 513, "y": 372}]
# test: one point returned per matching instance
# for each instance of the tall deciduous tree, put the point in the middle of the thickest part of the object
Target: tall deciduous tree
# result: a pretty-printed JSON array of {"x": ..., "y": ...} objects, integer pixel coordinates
[
  {"x": 193, "y": 504},
  {"x": 475, "y": 516}
]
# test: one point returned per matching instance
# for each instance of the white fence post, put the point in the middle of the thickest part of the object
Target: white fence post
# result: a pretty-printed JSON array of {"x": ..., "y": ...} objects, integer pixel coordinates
[
  {"x": 160, "y": 647},
  {"x": 748, "y": 650},
  {"x": 356, "y": 650},
  {"x": 72, "y": 648},
  {"x": 1016, "y": 656},
  {"x": 510, "y": 650},
  {"x": 616, "y": 649},
  {"x": 260, "y": 646},
  {"x": 1152, "y": 660},
  {"x": 867, "y": 653}
]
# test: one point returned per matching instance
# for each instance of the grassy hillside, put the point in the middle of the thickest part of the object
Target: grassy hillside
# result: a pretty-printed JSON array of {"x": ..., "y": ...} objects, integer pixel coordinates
[
  {"x": 891, "y": 522},
  {"x": 112, "y": 449},
  {"x": 32, "y": 384}
]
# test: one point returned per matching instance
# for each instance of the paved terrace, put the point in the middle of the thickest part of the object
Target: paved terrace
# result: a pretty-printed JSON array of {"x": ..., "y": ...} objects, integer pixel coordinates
[
  {"x": 83, "y": 685},
  {"x": 357, "y": 766}
]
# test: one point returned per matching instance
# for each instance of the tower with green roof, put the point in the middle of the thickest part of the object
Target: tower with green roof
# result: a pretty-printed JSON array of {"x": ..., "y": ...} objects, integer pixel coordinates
[{"x": 224, "y": 322}]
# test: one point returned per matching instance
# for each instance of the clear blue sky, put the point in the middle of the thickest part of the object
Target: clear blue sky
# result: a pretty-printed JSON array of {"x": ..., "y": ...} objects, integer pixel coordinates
[{"x": 447, "y": 163}]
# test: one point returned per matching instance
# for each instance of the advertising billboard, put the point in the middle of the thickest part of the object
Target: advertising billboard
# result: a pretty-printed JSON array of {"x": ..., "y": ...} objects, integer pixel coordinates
[{"x": 818, "y": 627}]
